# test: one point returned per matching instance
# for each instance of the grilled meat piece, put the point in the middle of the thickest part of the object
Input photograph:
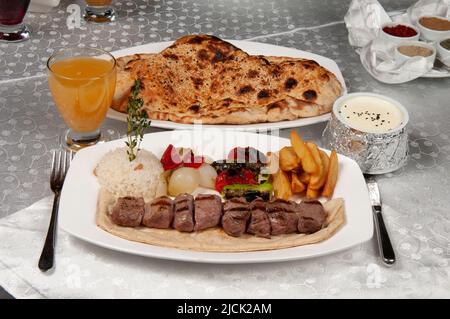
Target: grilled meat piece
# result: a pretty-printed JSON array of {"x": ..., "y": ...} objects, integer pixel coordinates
[
  {"x": 207, "y": 212},
  {"x": 235, "y": 216},
  {"x": 128, "y": 211},
  {"x": 311, "y": 216},
  {"x": 259, "y": 224},
  {"x": 159, "y": 213},
  {"x": 184, "y": 213},
  {"x": 282, "y": 216}
]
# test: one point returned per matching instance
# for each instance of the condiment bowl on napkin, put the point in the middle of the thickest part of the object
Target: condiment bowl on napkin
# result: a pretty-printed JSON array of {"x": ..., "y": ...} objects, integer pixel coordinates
[
  {"x": 434, "y": 28},
  {"x": 398, "y": 32},
  {"x": 443, "y": 49},
  {"x": 407, "y": 50},
  {"x": 371, "y": 129}
]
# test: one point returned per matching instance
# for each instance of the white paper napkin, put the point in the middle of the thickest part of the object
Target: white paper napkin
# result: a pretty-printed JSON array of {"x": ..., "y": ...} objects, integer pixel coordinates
[
  {"x": 87, "y": 271},
  {"x": 364, "y": 20},
  {"x": 43, "y": 5}
]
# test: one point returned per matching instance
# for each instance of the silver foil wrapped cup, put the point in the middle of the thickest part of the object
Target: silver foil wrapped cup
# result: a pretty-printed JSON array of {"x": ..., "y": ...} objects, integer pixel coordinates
[{"x": 375, "y": 153}]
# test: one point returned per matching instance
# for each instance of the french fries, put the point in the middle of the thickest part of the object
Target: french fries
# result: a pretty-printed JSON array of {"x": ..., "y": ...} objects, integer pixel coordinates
[
  {"x": 317, "y": 179},
  {"x": 288, "y": 159},
  {"x": 296, "y": 185},
  {"x": 312, "y": 193},
  {"x": 303, "y": 169},
  {"x": 273, "y": 163},
  {"x": 303, "y": 152},
  {"x": 304, "y": 178},
  {"x": 332, "y": 176},
  {"x": 281, "y": 185}
]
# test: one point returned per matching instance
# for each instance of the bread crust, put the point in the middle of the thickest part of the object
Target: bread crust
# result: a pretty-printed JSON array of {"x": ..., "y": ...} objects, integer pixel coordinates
[{"x": 202, "y": 78}]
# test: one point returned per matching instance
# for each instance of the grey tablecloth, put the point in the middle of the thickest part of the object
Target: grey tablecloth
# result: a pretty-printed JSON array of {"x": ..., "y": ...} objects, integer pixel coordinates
[{"x": 30, "y": 126}]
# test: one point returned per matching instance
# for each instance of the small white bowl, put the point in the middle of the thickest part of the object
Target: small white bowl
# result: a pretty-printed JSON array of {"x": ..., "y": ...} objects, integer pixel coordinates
[
  {"x": 443, "y": 53},
  {"x": 402, "y": 57},
  {"x": 395, "y": 39},
  {"x": 430, "y": 34},
  {"x": 375, "y": 153}
]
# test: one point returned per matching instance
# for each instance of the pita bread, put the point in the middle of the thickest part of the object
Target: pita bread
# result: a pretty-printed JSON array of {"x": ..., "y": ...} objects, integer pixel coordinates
[
  {"x": 215, "y": 239},
  {"x": 203, "y": 78}
]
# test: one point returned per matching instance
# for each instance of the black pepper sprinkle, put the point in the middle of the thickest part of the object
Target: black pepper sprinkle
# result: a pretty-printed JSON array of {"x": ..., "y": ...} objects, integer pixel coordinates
[{"x": 348, "y": 117}]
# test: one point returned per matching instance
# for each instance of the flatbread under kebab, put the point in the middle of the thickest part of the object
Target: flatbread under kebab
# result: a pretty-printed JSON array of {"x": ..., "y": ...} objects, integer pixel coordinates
[{"x": 215, "y": 239}]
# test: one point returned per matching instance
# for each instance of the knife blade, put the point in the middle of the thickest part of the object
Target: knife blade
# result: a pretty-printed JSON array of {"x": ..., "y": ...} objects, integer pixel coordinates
[{"x": 384, "y": 243}]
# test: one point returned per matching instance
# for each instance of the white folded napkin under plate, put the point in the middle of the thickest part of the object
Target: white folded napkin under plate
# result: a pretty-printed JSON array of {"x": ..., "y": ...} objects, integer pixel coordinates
[{"x": 87, "y": 271}]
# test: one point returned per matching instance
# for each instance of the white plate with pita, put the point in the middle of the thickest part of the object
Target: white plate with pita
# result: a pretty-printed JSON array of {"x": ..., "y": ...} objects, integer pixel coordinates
[
  {"x": 254, "y": 48},
  {"x": 78, "y": 206}
]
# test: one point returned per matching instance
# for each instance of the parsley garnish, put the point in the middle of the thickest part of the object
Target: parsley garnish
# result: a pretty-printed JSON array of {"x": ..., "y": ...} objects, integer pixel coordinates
[{"x": 137, "y": 121}]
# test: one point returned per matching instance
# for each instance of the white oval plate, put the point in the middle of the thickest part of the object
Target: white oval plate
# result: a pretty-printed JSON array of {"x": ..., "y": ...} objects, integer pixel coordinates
[
  {"x": 79, "y": 199},
  {"x": 254, "y": 48}
]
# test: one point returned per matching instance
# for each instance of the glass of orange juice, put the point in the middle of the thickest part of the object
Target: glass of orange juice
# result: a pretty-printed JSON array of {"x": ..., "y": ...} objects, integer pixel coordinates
[
  {"x": 99, "y": 11},
  {"x": 82, "y": 82}
]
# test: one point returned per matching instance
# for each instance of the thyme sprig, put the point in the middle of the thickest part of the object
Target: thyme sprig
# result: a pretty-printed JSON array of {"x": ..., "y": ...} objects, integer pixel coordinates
[{"x": 137, "y": 121}]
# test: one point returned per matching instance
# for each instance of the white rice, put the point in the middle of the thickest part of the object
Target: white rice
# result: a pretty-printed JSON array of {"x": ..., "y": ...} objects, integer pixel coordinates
[{"x": 142, "y": 177}]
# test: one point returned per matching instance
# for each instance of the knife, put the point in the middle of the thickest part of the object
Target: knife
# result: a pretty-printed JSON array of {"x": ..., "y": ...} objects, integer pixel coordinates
[{"x": 384, "y": 243}]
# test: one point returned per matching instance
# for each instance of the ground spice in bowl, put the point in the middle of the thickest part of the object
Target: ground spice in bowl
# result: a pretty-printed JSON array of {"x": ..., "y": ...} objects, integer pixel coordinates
[
  {"x": 434, "y": 23},
  {"x": 446, "y": 44},
  {"x": 400, "y": 31},
  {"x": 414, "y": 50}
]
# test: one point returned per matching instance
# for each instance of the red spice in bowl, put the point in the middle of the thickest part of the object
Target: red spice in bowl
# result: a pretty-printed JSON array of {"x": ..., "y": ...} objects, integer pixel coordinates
[{"x": 399, "y": 30}]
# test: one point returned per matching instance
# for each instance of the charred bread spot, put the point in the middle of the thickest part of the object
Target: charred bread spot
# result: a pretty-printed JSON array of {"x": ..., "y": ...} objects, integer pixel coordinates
[
  {"x": 170, "y": 56},
  {"x": 196, "y": 40},
  {"x": 276, "y": 72},
  {"x": 290, "y": 84},
  {"x": 219, "y": 55},
  {"x": 325, "y": 77},
  {"x": 264, "y": 60},
  {"x": 202, "y": 55},
  {"x": 274, "y": 105},
  {"x": 245, "y": 89},
  {"x": 263, "y": 94},
  {"x": 310, "y": 95},
  {"x": 309, "y": 64},
  {"x": 252, "y": 74},
  {"x": 194, "y": 108},
  {"x": 197, "y": 81}
]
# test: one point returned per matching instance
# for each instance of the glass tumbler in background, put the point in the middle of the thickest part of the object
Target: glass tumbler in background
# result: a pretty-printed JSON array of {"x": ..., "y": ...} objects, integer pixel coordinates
[
  {"x": 11, "y": 16},
  {"x": 82, "y": 83},
  {"x": 99, "y": 11}
]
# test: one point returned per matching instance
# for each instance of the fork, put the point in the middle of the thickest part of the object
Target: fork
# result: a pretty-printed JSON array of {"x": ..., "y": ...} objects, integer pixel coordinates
[{"x": 60, "y": 165}]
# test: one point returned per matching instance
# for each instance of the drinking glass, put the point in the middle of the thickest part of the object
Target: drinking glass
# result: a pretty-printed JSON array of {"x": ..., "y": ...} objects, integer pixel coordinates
[
  {"x": 11, "y": 16},
  {"x": 99, "y": 11},
  {"x": 82, "y": 83}
]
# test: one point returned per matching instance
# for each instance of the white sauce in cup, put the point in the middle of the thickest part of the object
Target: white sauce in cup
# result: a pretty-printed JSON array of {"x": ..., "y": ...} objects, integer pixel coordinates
[{"x": 371, "y": 114}]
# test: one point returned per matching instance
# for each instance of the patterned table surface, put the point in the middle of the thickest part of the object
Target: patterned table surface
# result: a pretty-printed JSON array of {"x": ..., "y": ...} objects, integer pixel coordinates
[{"x": 30, "y": 125}]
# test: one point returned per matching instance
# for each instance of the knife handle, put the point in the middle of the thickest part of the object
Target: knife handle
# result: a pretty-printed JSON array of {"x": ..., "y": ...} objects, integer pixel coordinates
[{"x": 384, "y": 243}]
